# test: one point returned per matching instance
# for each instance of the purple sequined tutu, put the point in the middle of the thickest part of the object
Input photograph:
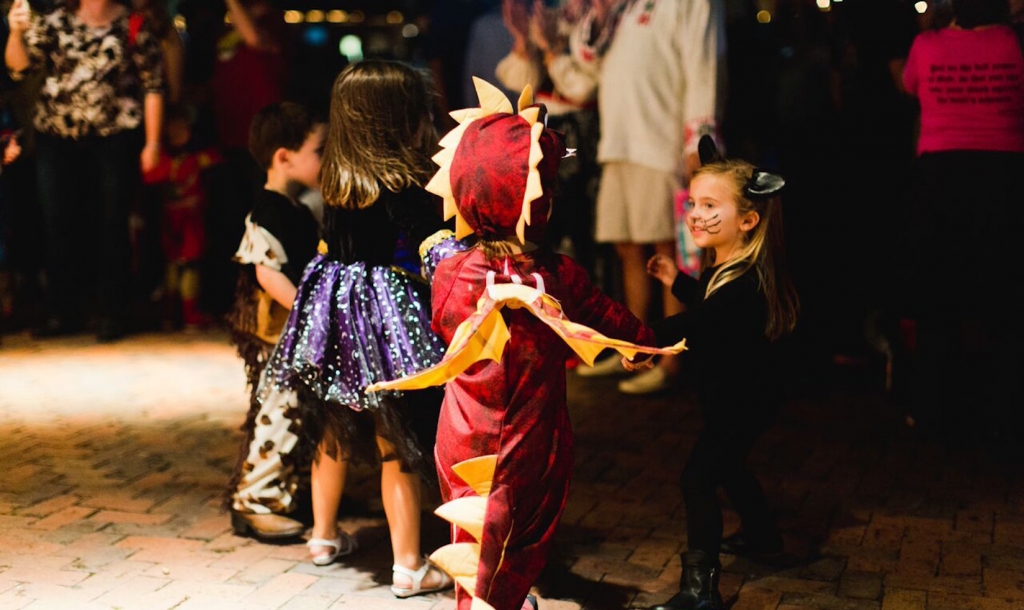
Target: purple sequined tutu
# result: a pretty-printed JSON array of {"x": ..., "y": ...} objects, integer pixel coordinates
[{"x": 352, "y": 326}]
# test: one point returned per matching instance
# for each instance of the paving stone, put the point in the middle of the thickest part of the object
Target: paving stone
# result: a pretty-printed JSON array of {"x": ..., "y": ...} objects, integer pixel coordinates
[
  {"x": 822, "y": 602},
  {"x": 948, "y": 601},
  {"x": 861, "y": 586},
  {"x": 904, "y": 599},
  {"x": 111, "y": 493},
  {"x": 1007, "y": 584}
]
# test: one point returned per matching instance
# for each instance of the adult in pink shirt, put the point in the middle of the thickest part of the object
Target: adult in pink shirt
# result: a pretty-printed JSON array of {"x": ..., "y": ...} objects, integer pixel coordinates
[{"x": 969, "y": 79}]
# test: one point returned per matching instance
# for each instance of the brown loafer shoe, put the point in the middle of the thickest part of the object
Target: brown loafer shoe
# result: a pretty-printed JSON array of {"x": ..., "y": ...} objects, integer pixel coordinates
[{"x": 267, "y": 526}]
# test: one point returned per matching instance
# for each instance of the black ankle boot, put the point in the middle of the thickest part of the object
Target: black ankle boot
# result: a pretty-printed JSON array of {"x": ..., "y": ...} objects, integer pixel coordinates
[{"x": 698, "y": 586}]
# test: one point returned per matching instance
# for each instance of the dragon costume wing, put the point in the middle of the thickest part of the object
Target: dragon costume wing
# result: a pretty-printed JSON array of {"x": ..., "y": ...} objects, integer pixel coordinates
[{"x": 483, "y": 335}]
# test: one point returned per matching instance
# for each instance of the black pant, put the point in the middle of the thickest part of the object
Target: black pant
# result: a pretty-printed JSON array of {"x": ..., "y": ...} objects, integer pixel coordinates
[
  {"x": 969, "y": 291},
  {"x": 86, "y": 188},
  {"x": 718, "y": 460}
]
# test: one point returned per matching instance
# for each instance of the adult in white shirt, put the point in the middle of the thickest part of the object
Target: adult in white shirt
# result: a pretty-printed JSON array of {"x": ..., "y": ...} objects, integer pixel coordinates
[{"x": 661, "y": 87}]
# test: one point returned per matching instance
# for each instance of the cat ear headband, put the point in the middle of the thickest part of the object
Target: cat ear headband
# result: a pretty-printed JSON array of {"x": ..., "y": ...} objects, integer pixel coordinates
[{"x": 760, "y": 185}]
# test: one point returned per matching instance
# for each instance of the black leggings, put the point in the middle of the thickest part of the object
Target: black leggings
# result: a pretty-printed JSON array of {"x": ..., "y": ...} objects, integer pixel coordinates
[{"x": 718, "y": 460}]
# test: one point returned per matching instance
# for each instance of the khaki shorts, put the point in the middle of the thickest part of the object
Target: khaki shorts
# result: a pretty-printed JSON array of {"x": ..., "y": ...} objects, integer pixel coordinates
[{"x": 634, "y": 205}]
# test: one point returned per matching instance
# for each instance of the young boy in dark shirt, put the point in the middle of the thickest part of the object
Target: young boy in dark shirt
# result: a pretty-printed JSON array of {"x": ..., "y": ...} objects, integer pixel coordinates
[{"x": 281, "y": 237}]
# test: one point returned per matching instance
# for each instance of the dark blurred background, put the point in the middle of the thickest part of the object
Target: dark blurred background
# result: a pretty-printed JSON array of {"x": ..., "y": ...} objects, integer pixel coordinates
[{"x": 813, "y": 93}]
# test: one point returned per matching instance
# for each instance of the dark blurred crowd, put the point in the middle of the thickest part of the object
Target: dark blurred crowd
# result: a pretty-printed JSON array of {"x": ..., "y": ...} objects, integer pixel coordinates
[{"x": 812, "y": 89}]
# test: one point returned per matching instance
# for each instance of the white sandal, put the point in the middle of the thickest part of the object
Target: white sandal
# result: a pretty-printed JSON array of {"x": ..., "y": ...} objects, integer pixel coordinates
[
  {"x": 342, "y": 545},
  {"x": 417, "y": 577}
]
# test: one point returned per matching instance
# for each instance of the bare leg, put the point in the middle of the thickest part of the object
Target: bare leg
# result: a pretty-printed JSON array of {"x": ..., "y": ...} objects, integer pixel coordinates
[
  {"x": 400, "y": 493},
  {"x": 327, "y": 482},
  {"x": 636, "y": 284}
]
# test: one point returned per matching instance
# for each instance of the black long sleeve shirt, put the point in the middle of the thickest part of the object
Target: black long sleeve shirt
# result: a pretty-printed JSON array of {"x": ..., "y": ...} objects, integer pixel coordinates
[
  {"x": 735, "y": 367},
  {"x": 370, "y": 234}
]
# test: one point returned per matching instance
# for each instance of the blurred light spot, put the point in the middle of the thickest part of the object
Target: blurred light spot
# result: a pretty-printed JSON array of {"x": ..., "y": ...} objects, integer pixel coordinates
[
  {"x": 825, "y": 5},
  {"x": 337, "y": 16},
  {"x": 921, "y": 6},
  {"x": 351, "y": 47},
  {"x": 410, "y": 30},
  {"x": 764, "y": 17},
  {"x": 316, "y": 35},
  {"x": 180, "y": 23},
  {"x": 315, "y": 16},
  {"x": 356, "y": 16},
  {"x": 395, "y": 17},
  {"x": 293, "y": 17}
]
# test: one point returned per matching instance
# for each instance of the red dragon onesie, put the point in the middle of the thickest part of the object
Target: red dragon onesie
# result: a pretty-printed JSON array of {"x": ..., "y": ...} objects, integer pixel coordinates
[{"x": 504, "y": 441}]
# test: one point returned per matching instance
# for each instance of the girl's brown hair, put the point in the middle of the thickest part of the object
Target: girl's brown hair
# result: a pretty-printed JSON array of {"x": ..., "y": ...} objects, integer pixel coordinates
[
  {"x": 764, "y": 249},
  {"x": 381, "y": 133}
]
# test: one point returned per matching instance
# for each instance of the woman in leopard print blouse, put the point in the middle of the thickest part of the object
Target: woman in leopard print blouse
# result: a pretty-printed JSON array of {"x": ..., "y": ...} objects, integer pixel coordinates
[{"x": 99, "y": 115}]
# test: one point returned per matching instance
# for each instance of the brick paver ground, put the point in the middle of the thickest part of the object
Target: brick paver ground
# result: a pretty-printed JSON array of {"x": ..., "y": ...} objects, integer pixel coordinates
[{"x": 113, "y": 459}]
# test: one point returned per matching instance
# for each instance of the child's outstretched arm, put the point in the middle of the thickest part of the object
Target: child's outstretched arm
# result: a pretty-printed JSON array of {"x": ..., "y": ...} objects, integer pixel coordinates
[
  {"x": 277, "y": 285},
  {"x": 591, "y": 307}
]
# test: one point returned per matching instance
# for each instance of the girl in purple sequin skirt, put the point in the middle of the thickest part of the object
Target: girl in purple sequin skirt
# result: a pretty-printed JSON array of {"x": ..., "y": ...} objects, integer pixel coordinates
[{"x": 359, "y": 317}]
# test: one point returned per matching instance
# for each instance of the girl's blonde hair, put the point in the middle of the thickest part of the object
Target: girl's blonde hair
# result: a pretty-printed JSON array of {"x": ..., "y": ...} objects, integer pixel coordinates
[
  {"x": 381, "y": 133},
  {"x": 763, "y": 249}
]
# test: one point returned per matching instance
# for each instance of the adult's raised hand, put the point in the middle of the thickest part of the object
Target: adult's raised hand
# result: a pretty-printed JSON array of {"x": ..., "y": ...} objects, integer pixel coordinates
[{"x": 19, "y": 17}]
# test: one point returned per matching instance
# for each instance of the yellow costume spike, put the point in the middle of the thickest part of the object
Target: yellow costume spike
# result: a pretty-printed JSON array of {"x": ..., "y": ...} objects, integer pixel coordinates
[
  {"x": 531, "y": 115},
  {"x": 478, "y": 472},
  {"x": 450, "y": 208},
  {"x": 525, "y": 98},
  {"x": 521, "y": 230},
  {"x": 467, "y": 513},
  {"x": 461, "y": 561},
  {"x": 465, "y": 114},
  {"x": 444, "y": 157},
  {"x": 492, "y": 100},
  {"x": 453, "y": 137},
  {"x": 441, "y": 184},
  {"x": 462, "y": 228},
  {"x": 534, "y": 188}
]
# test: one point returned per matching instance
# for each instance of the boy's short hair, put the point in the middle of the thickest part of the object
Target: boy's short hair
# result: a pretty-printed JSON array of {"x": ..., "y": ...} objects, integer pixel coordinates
[{"x": 279, "y": 125}]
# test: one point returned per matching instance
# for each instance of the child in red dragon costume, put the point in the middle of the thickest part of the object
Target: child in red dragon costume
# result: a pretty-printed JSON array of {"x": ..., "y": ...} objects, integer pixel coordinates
[{"x": 504, "y": 442}]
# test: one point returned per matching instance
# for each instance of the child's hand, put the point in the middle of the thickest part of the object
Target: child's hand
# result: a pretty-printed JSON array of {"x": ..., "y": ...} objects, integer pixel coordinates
[
  {"x": 517, "y": 19},
  {"x": 11, "y": 151},
  {"x": 19, "y": 18},
  {"x": 149, "y": 158},
  {"x": 663, "y": 268},
  {"x": 638, "y": 365},
  {"x": 544, "y": 29}
]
